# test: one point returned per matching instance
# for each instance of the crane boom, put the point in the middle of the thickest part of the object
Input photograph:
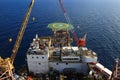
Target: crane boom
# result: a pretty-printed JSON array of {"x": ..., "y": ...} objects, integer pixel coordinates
[
  {"x": 21, "y": 32},
  {"x": 65, "y": 13},
  {"x": 68, "y": 21}
]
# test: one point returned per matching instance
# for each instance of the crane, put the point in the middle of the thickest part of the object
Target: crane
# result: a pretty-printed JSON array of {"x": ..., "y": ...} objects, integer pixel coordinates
[
  {"x": 80, "y": 42},
  {"x": 7, "y": 64},
  {"x": 65, "y": 13},
  {"x": 21, "y": 32}
]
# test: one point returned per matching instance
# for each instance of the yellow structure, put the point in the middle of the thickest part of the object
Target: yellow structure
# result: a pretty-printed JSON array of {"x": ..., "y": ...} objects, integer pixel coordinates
[{"x": 6, "y": 65}]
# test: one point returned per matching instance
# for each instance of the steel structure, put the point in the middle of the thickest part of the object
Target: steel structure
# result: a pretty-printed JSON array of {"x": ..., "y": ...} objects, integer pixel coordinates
[
  {"x": 116, "y": 71},
  {"x": 6, "y": 65},
  {"x": 68, "y": 21}
]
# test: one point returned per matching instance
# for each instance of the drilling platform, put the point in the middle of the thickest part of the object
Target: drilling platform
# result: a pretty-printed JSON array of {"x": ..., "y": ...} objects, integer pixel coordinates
[{"x": 55, "y": 58}]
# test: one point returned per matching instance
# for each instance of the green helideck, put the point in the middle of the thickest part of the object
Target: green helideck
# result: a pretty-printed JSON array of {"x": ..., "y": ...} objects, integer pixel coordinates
[{"x": 60, "y": 26}]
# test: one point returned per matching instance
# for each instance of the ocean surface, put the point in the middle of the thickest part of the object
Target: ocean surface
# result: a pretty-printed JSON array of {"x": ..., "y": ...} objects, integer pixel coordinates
[{"x": 100, "y": 19}]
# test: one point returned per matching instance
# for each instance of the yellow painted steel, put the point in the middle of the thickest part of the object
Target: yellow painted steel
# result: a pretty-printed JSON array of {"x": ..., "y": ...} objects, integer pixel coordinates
[
  {"x": 21, "y": 32},
  {"x": 6, "y": 65}
]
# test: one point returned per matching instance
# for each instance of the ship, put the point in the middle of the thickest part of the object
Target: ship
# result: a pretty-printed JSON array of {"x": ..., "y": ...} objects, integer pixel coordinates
[
  {"x": 56, "y": 52},
  {"x": 55, "y": 56}
]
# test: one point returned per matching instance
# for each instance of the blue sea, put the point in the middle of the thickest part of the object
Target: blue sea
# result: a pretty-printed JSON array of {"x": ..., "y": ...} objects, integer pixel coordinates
[{"x": 100, "y": 19}]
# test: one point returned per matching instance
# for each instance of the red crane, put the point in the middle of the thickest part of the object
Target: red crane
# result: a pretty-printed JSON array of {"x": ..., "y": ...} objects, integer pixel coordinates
[{"x": 80, "y": 42}]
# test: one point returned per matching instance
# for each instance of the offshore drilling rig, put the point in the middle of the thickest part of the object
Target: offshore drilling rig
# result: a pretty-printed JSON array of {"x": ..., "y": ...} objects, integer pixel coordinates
[{"x": 7, "y": 67}]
